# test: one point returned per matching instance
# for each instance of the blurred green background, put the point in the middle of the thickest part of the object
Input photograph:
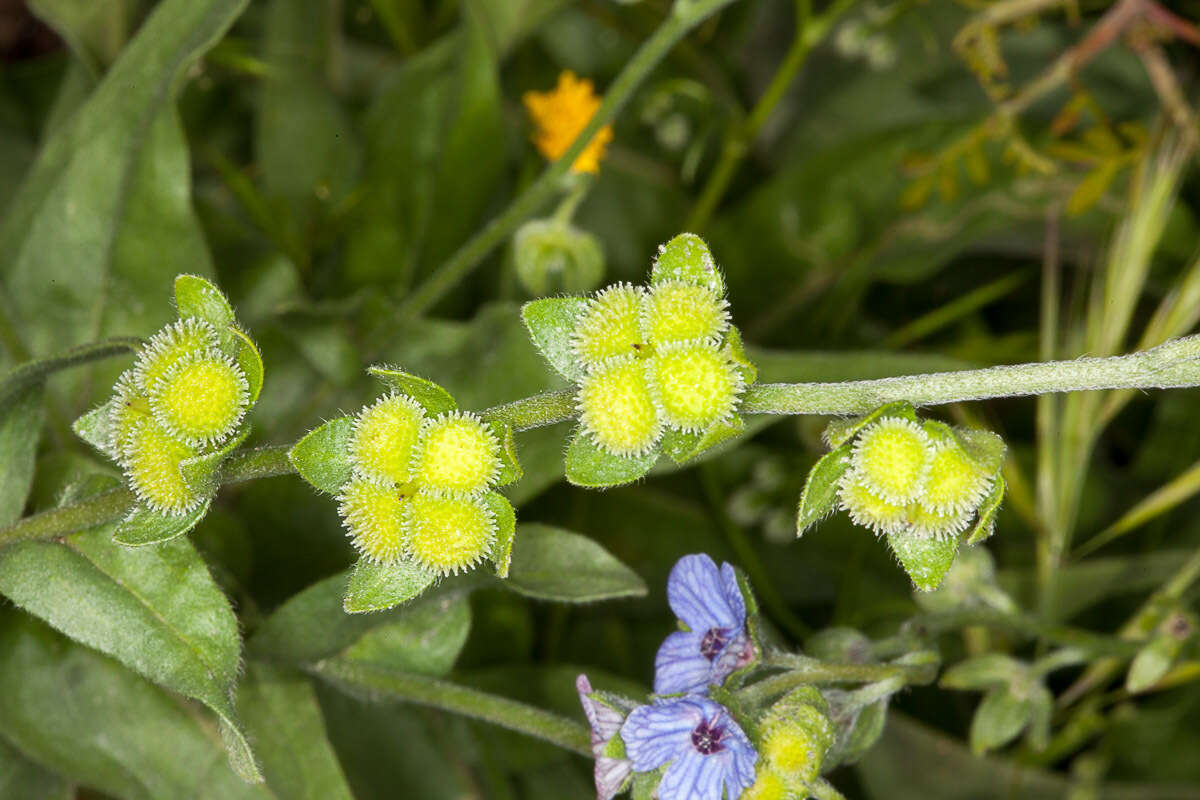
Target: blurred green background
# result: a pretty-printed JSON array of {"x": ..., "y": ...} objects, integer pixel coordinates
[{"x": 320, "y": 159}]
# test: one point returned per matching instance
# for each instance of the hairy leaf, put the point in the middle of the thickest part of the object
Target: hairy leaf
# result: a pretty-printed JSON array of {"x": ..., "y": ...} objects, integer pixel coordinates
[{"x": 554, "y": 564}]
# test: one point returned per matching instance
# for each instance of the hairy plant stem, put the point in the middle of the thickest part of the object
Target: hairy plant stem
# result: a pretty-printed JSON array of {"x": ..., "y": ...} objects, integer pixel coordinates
[
  {"x": 802, "y": 670},
  {"x": 409, "y": 688},
  {"x": 1173, "y": 364},
  {"x": 684, "y": 17}
]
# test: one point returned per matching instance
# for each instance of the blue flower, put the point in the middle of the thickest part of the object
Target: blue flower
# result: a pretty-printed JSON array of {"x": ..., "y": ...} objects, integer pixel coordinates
[
  {"x": 706, "y": 750},
  {"x": 605, "y": 718},
  {"x": 710, "y": 603}
]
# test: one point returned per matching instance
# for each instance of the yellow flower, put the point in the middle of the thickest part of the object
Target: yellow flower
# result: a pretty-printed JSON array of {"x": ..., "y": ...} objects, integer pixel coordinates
[{"x": 561, "y": 114}]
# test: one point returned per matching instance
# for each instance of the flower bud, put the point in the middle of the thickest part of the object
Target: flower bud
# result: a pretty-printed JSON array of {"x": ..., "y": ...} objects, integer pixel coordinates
[
  {"x": 679, "y": 311},
  {"x": 610, "y": 326},
  {"x": 891, "y": 458},
  {"x": 768, "y": 785},
  {"x": 695, "y": 386},
  {"x": 616, "y": 408},
  {"x": 200, "y": 399},
  {"x": 373, "y": 514},
  {"x": 445, "y": 534},
  {"x": 457, "y": 453},
  {"x": 796, "y": 734},
  {"x": 151, "y": 459},
  {"x": 385, "y": 438},
  {"x": 556, "y": 257},
  {"x": 166, "y": 347}
]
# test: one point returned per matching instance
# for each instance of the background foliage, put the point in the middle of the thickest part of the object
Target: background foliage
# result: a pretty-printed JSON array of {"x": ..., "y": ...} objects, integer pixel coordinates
[{"x": 319, "y": 159}]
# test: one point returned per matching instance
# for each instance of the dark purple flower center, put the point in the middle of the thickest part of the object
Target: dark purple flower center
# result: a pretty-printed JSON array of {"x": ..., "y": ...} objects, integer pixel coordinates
[
  {"x": 713, "y": 643},
  {"x": 706, "y": 738}
]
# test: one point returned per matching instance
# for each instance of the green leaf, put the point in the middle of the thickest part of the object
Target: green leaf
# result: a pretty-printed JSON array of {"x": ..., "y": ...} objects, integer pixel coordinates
[
  {"x": 986, "y": 523},
  {"x": 248, "y": 357},
  {"x": 687, "y": 258},
  {"x": 313, "y": 624},
  {"x": 1089, "y": 190},
  {"x": 376, "y": 587},
  {"x": 21, "y": 779},
  {"x": 322, "y": 457},
  {"x": 202, "y": 473},
  {"x": 983, "y": 672},
  {"x": 82, "y": 249},
  {"x": 427, "y": 640},
  {"x": 1152, "y": 662},
  {"x": 284, "y": 719},
  {"x": 197, "y": 297},
  {"x": 999, "y": 719},
  {"x": 551, "y": 324},
  {"x": 683, "y": 447},
  {"x": 550, "y": 563},
  {"x": 100, "y": 725},
  {"x": 433, "y": 398},
  {"x": 145, "y": 526},
  {"x": 506, "y": 526},
  {"x": 645, "y": 784},
  {"x": 840, "y": 431},
  {"x": 95, "y": 428},
  {"x": 926, "y": 559},
  {"x": 510, "y": 468},
  {"x": 20, "y": 428},
  {"x": 737, "y": 353},
  {"x": 820, "y": 495},
  {"x": 154, "y": 609},
  {"x": 589, "y": 466}
]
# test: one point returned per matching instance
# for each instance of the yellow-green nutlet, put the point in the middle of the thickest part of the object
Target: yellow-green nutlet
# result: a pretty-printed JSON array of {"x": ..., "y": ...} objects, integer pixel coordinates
[
  {"x": 610, "y": 327},
  {"x": 694, "y": 386},
  {"x": 373, "y": 514},
  {"x": 446, "y": 534},
  {"x": 457, "y": 453},
  {"x": 617, "y": 408},
  {"x": 201, "y": 398},
  {"x": 385, "y": 438},
  {"x": 151, "y": 458}
]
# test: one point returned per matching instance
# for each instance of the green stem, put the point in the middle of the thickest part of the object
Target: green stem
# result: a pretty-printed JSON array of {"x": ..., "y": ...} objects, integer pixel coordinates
[
  {"x": 803, "y": 671},
  {"x": 407, "y": 687},
  {"x": 261, "y": 462},
  {"x": 809, "y": 32},
  {"x": 1174, "y": 364},
  {"x": 468, "y": 257},
  {"x": 97, "y": 510},
  {"x": 535, "y": 412}
]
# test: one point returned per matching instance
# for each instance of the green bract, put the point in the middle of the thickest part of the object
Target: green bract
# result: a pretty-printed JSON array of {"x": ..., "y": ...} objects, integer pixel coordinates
[
  {"x": 657, "y": 368},
  {"x": 414, "y": 479},
  {"x": 919, "y": 483},
  {"x": 177, "y": 413}
]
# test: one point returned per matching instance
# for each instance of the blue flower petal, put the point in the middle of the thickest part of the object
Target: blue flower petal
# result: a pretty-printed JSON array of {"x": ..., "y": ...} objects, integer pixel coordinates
[
  {"x": 680, "y": 666},
  {"x": 604, "y": 720},
  {"x": 693, "y": 777},
  {"x": 733, "y": 594},
  {"x": 739, "y": 758},
  {"x": 655, "y": 734},
  {"x": 697, "y": 596}
]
